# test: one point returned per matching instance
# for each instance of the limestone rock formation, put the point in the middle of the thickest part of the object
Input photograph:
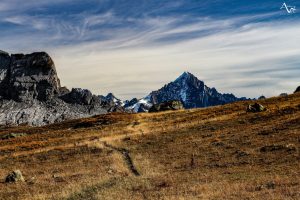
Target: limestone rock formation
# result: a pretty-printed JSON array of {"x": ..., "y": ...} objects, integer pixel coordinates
[
  {"x": 27, "y": 77},
  {"x": 30, "y": 93}
]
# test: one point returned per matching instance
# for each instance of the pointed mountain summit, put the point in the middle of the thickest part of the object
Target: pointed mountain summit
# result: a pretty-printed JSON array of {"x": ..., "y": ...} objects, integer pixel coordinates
[
  {"x": 191, "y": 91},
  {"x": 111, "y": 99},
  {"x": 185, "y": 76}
]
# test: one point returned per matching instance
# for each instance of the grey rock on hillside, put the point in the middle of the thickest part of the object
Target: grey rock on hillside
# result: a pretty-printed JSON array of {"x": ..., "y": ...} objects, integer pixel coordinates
[
  {"x": 166, "y": 106},
  {"x": 14, "y": 176},
  {"x": 30, "y": 93},
  {"x": 26, "y": 77}
]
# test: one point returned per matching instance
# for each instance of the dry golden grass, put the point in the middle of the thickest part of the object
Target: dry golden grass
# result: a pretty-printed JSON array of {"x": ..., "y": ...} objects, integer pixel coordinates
[{"x": 214, "y": 153}]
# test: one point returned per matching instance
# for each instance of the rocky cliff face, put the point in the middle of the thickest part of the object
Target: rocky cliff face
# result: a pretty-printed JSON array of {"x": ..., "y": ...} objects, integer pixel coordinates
[
  {"x": 30, "y": 77},
  {"x": 114, "y": 104},
  {"x": 4, "y": 70},
  {"x": 30, "y": 93}
]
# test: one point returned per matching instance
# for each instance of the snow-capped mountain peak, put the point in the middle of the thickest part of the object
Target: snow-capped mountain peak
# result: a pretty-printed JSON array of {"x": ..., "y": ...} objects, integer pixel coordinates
[
  {"x": 141, "y": 105},
  {"x": 184, "y": 76},
  {"x": 188, "y": 89}
]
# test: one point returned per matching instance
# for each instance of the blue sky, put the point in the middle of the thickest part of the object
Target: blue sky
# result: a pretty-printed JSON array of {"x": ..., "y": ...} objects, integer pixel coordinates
[{"x": 131, "y": 47}]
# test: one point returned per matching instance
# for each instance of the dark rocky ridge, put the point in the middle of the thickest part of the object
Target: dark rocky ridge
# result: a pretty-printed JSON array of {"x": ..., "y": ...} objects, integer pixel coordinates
[
  {"x": 297, "y": 90},
  {"x": 188, "y": 89},
  {"x": 192, "y": 92},
  {"x": 30, "y": 93}
]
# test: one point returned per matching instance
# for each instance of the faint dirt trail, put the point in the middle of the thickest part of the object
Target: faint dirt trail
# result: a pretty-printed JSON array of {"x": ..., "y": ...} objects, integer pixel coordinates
[{"x": 127, "y": 158}]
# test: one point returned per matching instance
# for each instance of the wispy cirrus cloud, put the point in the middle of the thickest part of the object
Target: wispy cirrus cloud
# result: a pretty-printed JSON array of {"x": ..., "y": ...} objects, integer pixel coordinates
[{"x": 134, "y": 48}]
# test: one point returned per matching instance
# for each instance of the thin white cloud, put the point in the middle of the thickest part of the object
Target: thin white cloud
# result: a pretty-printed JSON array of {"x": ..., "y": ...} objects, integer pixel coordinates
[
  {"x": 225, "y": 60},
  {"x": 21, "y": 5},
  {"x": 224, "y": 53},
  {"x": 38, "y": 24}
]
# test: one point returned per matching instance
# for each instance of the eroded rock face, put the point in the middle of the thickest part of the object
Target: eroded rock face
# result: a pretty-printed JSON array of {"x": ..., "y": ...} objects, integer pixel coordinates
[
  {"x": 30, "y": 93},
  {"x": 4, "y": 69},
  {"x": 33, "y": 76},
  {"x": 78, "y": 96}
]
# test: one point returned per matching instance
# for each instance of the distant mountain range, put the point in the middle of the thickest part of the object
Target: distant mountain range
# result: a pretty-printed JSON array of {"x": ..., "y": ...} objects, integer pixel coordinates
[
  {"x": 188, "y": 89},
  {"x": 30, "y": 93}
]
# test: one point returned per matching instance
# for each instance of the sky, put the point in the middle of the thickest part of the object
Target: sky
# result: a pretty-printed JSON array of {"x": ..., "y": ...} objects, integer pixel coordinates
[{"x": 132, "y": 47}]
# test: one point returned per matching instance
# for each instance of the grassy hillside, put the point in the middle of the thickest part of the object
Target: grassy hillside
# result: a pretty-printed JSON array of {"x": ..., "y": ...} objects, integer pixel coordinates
[{"x": 220, "y": 152}]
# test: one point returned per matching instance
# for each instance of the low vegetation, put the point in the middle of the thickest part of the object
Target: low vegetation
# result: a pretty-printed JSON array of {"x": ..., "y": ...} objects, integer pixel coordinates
[{"x": 222, "y": 152}]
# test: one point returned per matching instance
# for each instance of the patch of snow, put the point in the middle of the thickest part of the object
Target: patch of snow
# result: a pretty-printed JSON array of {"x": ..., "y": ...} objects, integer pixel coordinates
[
  {"x": 183, "y": 95},
  {"x": 144, "y": 101}
]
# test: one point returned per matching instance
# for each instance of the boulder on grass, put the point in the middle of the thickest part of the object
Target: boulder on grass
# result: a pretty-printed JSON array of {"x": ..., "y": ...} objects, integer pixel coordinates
[
  {"x": 165, "y": 106},
  {"x": 256, "y": 108},
  {"x": 15, "y": 176}
]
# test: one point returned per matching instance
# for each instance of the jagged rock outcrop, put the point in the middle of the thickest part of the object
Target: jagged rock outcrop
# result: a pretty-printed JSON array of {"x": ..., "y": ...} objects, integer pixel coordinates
[
  {"x": 4, "y": 70},
  {"x": 28, "y": 77},
  {"x": 63, "y": 91},
  {"x": 141, "y": 105},
  {"x": 111, "y": 100},
  {"x": 297, "y": 90},
  {"x": 114, "y": 104},
  {"x": 31, "y": 93},
  {"x": 78, "y": 96},
  {"x": 166, "y": 106}
]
